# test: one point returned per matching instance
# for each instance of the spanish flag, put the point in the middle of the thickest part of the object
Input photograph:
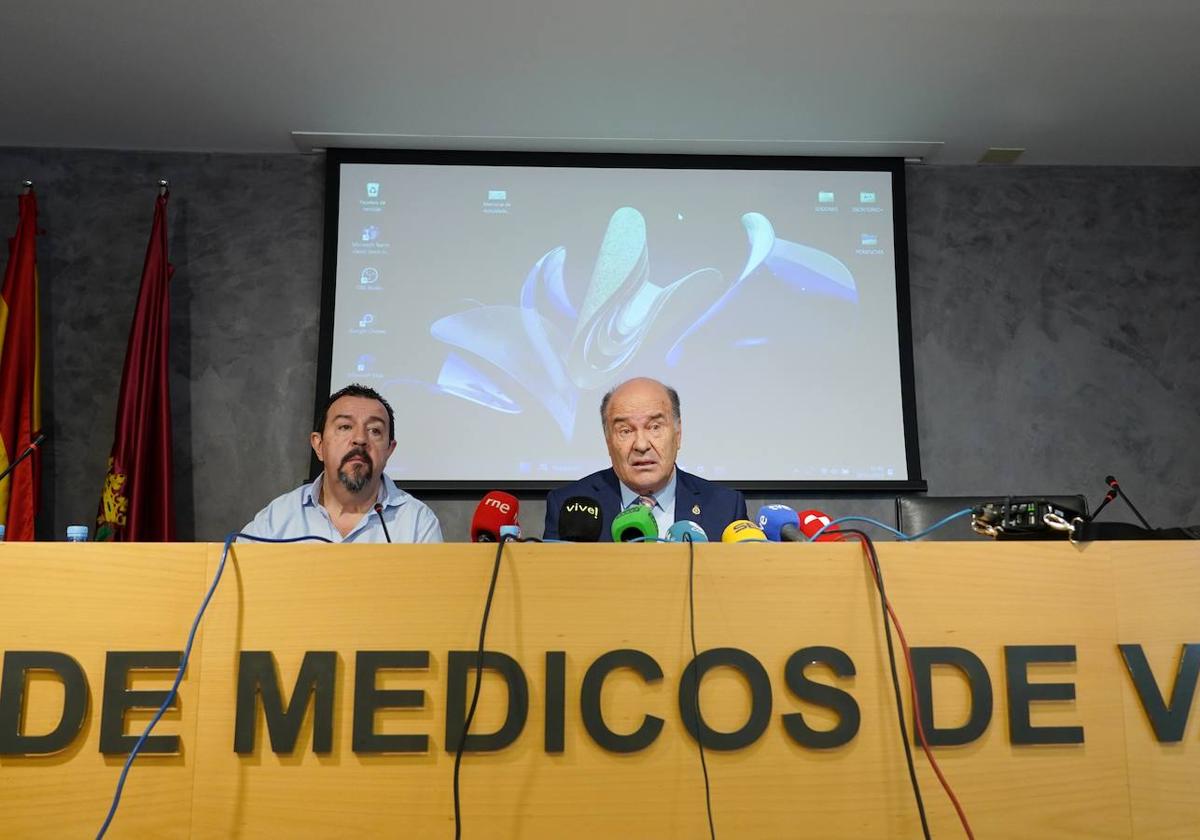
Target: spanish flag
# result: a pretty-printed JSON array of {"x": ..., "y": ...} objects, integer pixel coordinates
[
  {"x": 137, "y": 502},
  {"x": 20, "y": 376}
]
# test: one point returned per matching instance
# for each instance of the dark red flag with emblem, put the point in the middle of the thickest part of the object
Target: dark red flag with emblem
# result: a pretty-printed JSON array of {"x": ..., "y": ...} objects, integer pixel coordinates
[
  {"x": 20, "y": 385},
  {"x": 138, "y": 502}
]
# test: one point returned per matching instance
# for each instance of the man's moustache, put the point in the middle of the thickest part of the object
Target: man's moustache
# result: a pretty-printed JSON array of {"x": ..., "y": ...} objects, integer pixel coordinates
[{"x": 357, "y": 453}]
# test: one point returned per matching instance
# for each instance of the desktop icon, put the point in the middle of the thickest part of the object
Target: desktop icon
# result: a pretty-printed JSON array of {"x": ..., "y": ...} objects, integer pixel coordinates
[
  {"x": 870, "y": 240},
  {"x": 825, "y": 197},
  {"x": 372, "y": 189},
  {"x": 370, "y": 233},
  {"x": 497, "y": 195},
  {"x": 366, "y": 320},
  {"x": 866, "y": 198},
  {"x": 368, "y": 276}
]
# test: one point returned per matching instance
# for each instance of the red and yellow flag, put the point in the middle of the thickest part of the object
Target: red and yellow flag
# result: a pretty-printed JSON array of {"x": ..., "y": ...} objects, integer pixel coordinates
[
  {"x": 20, "y": 376},
  {"x": 137, "y": 502}
]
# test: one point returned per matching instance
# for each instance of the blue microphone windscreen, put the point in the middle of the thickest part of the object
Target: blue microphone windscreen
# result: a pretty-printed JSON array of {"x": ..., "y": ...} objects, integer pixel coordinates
[
  {"x": 771, "y": 518},
  {"x": 513, "y": 531},
  {"x": 685, "y": 526}
]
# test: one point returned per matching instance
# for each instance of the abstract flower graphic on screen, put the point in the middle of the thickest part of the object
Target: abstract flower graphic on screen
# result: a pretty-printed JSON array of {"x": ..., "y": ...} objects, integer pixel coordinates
[{"x": 555, "y": 344}]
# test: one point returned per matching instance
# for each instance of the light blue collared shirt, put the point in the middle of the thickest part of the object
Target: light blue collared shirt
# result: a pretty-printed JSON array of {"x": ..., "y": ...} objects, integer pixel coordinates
[
  {"x": 300, "y": 514},
  {"x": 664, "y": 508}
]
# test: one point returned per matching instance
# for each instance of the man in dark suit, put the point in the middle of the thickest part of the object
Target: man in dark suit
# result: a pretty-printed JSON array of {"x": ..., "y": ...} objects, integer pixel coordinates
[{"x": 643, "y": 432}]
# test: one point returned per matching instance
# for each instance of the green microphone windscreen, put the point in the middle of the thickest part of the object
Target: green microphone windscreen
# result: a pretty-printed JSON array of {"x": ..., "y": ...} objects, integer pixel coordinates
[{"x": 634, "y": 523}]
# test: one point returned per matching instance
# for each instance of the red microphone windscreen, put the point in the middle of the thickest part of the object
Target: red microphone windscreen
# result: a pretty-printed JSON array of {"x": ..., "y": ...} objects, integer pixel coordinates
[
  {"x": 812, "y": 521},
  {"x": 495, "y": 509}
]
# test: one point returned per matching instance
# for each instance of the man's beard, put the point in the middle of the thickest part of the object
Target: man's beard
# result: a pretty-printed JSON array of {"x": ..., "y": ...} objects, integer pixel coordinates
[{"x": 355, "y": 482}]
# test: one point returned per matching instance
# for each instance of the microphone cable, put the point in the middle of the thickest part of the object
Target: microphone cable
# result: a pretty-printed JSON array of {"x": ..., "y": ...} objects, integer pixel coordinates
[
  {"x": 687, "y": 538},
  {"x": 183, "y": 663},
  {"x": 869, "y": 551},
  {"x": 900, "y": 535},
  {"x": 382, "y": 521},
  {"x": 462, "y": 738},
  {"x": 872, "y": 558}
]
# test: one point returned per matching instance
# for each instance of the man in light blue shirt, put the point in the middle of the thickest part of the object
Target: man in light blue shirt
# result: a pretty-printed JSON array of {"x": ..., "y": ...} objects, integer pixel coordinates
[{"x": 352, "y": 500}]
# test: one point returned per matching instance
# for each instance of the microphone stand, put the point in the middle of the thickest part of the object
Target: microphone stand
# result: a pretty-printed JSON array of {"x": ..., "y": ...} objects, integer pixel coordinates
[
  {"x": 1116, "y": 485},
  {"x": 37, "y": 441}
]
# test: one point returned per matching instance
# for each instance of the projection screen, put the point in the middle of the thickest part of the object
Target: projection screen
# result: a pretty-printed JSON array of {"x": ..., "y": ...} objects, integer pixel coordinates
[{"x": 493, "y": 298}]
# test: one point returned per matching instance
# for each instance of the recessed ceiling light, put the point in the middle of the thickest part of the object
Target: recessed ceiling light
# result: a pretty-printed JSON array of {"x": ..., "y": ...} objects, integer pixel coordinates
[{"x": 999, "y": 154}]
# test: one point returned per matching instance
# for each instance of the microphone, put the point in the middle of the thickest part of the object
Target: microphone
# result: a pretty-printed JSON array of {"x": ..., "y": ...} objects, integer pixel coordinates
[
  {"x": 1108, "y": 497},
  {"x": 382, "y": 521},
  {"x": 510, "y": 533},
  {"x": 792, "y": 533},
  {"x": 1115, "y": 485},
  {"x": 634, "y": 522},
  {"x": 772, "y": 519},
  {"x": 37, "y": 441},
  {"x": 579, "y": 520},
  {"x": 812, "y": 521},
  {"x": 742, "y": 530},
  {"x": 686, "y": 528},
  {"x": 495, "y": 509}
]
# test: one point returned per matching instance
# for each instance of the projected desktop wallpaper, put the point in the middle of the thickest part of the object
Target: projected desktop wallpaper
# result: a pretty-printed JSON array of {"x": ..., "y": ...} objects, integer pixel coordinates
[{"x": 493, "y": 306}]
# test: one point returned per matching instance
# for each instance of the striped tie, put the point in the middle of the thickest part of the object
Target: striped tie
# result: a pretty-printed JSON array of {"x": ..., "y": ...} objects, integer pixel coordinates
[{"x": 648, "y": 500}]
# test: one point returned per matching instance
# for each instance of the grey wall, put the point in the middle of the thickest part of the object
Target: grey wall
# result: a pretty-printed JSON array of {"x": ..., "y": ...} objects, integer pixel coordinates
[
  {"x": 1055, "y": 315},
  {"x": 1055, "y": 323}
]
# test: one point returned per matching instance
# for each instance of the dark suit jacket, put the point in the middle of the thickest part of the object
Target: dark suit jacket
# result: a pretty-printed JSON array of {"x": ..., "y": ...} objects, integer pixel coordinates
[{"x": 718, "y": 505}]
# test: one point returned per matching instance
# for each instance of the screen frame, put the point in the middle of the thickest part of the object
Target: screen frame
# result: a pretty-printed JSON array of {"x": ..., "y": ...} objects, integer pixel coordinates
[{"x": 335, "y": 158}]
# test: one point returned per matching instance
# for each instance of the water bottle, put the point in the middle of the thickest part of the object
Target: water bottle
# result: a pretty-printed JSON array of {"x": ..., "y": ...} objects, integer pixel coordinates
[
  {"x": 1, "y": 533},
  {"x": 77, "y": 533}
]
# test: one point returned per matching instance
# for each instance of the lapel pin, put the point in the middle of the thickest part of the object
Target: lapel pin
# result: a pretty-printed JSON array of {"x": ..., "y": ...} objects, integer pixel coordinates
[{"x": 696, "y": 509}]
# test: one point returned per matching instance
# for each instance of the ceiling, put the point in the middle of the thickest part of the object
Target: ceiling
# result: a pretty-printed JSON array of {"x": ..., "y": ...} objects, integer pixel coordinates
[{"x": 1071, "y": 81}]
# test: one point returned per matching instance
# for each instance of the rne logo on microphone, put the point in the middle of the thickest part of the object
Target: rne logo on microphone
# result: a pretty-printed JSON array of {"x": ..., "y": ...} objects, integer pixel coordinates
[{"x": 503, "y": 507}]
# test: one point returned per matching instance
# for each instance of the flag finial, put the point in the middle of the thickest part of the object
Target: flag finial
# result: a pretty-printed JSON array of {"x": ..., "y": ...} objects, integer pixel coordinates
[
  {"x": 26, "y": 187},
  {"x": 163, "y": 186}
]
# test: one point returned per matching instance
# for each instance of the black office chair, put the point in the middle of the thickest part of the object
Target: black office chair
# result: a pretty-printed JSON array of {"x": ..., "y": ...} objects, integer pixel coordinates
[{"x": 916, "y": 513}]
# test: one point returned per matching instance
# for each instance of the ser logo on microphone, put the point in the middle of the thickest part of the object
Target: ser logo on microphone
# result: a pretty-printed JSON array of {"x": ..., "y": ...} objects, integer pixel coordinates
[
  {"x": 580, "y": 507},
  {"x": 503, "y": 507}
]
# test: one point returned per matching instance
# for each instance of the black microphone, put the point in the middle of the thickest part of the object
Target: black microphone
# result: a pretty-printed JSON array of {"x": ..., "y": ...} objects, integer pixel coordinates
[
  {"x": 1108, "y": 497},
  {"x": 579, "y": 520},
  {"x": 791, "y": 533},
  {"x": 382, "y": 521},
  {"x": 1116, "y": 485},
  {"x": 37, "y": 441}
]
